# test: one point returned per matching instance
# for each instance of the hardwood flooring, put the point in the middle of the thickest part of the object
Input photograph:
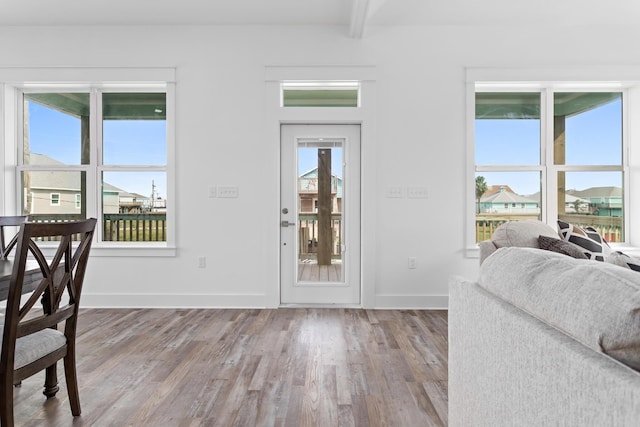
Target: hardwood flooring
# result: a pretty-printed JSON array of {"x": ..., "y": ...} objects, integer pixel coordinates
[
  {"x": 319, "y": 273},
  {"x": 283, "y": 367}
]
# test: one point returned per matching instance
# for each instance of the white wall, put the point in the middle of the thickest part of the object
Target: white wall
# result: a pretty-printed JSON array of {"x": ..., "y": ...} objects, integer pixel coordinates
[{"x": 420, "y": 125}]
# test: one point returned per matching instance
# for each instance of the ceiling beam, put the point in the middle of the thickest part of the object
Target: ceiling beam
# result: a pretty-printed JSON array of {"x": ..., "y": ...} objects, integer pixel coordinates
[{"x": 360, "y": 14}]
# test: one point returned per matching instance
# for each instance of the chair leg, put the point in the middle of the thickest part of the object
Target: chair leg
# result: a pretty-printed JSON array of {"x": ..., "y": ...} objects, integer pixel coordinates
[
  {"x": 51, "y": 381},
  {"x": 6, "y": 403},
  {"x": 72, "y": 382}
]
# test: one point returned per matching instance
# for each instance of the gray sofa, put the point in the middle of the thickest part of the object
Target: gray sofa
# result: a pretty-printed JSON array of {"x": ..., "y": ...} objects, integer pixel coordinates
[{"x": 543, "y": 339}]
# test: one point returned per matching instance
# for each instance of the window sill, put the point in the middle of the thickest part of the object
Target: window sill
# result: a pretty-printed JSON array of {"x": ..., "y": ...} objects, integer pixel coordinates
[
  {"x": 121, "y": 251},
  {"x": 132, "y": 251},
  {"x": 633, "y": 251},
  {"x": 472, "y": 252}
]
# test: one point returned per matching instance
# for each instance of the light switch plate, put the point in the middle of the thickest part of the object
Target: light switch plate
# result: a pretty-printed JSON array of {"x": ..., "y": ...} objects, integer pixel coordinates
[
  {"x": 417, "y": 193},
  {"x": 228, "y": 191},
  {"x": 395, "y": 192}
]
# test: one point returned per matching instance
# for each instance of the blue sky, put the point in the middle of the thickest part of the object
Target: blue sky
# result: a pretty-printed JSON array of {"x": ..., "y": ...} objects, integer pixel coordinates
[
  {"x": 126, "y": 142},
  {"x": 592, "y": 138},
  {"x": 308, "y": 159}
]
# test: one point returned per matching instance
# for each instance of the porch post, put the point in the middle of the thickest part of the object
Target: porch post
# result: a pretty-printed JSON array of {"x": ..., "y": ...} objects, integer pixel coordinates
[
  {"x": 324, "y": 207},
  {"x": 559, "y": 149}
]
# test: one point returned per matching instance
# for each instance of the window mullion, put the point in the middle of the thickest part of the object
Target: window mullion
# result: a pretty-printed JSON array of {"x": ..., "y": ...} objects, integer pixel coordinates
[
  {"x": 93, "y": 179},
  {"x": 550, "y": 171}
]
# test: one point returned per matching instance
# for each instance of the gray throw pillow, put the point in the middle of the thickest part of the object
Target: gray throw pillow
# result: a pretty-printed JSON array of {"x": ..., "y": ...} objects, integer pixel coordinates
[
  {"x": 521, "y": 233},
  {"x": 556, "y": 245}
]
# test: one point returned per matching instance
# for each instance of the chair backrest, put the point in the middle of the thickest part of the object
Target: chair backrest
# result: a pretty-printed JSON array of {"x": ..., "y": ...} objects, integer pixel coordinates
[
  {"x": 9, "y": 221},
  {"x": 58, "y": 290}
]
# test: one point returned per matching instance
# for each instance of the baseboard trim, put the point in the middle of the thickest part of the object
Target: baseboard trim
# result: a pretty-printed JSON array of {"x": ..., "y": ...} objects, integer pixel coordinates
[
  {"x": 173, "y": 301},
  {"x": 412, "y": 302},
  {"x": 102, "y": 300}
]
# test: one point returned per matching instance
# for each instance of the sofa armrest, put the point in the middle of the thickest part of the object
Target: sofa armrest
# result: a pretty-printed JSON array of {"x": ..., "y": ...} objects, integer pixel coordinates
[{"x": 508, "y": 368}]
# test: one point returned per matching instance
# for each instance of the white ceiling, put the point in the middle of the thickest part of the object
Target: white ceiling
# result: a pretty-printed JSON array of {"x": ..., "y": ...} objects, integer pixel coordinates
[{"x": 357, "y": 14}]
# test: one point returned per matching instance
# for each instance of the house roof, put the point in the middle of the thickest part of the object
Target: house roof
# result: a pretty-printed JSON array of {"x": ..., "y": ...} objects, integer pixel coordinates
[
  {"x": 504, "y": 194},
  {"x": 308, "y": 182},
  {"x": 60, "y": 180},
  {"x": 493, "y": 189},
  {"x": 595, "y": 192}
]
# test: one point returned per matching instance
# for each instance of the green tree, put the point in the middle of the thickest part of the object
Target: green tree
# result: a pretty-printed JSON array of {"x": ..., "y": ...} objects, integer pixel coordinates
[
  {"x": 576, "y": 205},
  {"x": 481, "y": 188}
]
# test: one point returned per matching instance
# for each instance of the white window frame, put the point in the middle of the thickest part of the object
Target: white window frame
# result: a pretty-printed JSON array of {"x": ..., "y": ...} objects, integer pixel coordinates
[
  {"x": 15, "y": 81},
  {"x": 78, "y": 201},
  {"x": 333, "y": 85},
  {"x": 558, "y": 80}
]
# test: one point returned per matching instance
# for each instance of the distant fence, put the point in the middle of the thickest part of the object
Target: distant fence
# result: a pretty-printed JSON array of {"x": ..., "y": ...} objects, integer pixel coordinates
[
  {"x": 149, "y": 227},
  {"x": 611, "y": 228}
]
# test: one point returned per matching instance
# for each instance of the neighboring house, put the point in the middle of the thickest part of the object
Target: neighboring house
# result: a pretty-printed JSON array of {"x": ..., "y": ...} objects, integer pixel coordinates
[
  {"x": 52, "y": 192},
  {"x": 59, "y": 192},
  {"x": 500, "y": 199},
  {"x": 133, "y": 202},
  {"x": 573, "y": 204},
  {"x": 308, "y": 192},
  {"x": 600, "y": 201},
  {"x": 603, "y": 201}
]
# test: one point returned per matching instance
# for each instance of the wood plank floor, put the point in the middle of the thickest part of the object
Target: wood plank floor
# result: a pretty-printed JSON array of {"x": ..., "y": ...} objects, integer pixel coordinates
[
  {"x": 319, "y": 273},
  {"x": 284, "y": 367}
]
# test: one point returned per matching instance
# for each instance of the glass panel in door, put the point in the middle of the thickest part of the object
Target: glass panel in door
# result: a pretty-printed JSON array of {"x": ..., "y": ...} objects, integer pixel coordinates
[{"x": 320, "y": 197}]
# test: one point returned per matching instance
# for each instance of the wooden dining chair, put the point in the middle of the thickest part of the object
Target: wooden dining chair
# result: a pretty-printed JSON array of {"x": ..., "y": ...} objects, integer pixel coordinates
[
  {"x": 9, "y": 221},
  {"x": 31, "y": 341}
]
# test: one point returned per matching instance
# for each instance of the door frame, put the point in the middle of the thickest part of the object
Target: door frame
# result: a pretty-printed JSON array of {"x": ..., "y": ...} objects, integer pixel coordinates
[{"x": 364, "y": 115}]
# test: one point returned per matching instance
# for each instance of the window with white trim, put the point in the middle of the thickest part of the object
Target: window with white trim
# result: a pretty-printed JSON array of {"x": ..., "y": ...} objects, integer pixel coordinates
[
  {"x": 550, "y": 153},
  {"x": 104, "y": 153}
]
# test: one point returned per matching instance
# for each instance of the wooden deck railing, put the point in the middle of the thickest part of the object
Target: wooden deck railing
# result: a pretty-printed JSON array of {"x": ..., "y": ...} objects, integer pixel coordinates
[
  {"x": 611, "y": 228},
  {"x": 150, "y": 227},
  {"x": 307, "y": 230}
]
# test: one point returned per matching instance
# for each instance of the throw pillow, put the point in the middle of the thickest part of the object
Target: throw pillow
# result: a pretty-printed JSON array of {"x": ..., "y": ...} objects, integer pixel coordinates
[
  {"x": 521, "y": 233},
  {"x": 588, "y": 238},
  {"x": 556, "y": 245},
  {"x": 623, "y": 260}
]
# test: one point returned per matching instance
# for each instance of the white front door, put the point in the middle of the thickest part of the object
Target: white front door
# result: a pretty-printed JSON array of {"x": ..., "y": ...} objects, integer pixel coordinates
[{"x": 320, "y": 214}]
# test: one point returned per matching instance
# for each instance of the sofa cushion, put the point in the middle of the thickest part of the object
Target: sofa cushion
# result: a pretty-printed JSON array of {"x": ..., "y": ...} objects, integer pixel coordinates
[
  {"x": 623, "y": 260},
  {"x": 523, "y": 233},
  {"x": 596, "y": 303},
  {"x": 595, "y": 246},
  {"x": 561, "y": 246}
]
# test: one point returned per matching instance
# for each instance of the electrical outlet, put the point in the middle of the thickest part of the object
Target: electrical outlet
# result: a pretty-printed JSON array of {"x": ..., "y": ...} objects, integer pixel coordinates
[
  {"x": 212, "y": 191},
  {"x": 412, "y": 263},
  {"x": 202, "y": 262}
]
